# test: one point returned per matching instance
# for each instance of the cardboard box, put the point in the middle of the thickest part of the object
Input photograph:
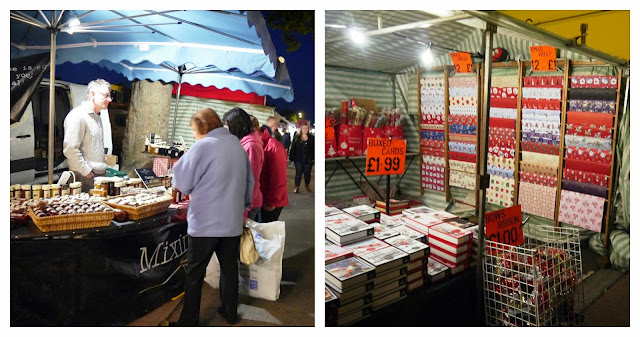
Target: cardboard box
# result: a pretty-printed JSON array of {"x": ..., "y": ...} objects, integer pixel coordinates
[{"x": 111, "y": 159}]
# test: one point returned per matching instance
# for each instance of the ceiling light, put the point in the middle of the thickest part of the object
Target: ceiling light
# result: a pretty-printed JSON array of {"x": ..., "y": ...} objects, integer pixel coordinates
[
  {"x": 281, "y": 59},
  {"x": 357, "y": 36},
  {"x": 335, "y": 26},
  {"x": 427, "y": 56}
]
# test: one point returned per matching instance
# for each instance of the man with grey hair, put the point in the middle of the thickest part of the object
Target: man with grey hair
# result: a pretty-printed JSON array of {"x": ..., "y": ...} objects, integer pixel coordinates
[{"x": 83, "y": 144}]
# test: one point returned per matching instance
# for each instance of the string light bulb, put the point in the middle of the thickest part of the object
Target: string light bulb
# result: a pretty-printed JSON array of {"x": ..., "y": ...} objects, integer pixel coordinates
[{"x": 427, "y": 56}]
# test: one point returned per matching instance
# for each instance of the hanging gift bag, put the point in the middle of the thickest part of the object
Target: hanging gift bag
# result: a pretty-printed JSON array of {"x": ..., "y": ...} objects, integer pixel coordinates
[{"x": 349, "y": 140}]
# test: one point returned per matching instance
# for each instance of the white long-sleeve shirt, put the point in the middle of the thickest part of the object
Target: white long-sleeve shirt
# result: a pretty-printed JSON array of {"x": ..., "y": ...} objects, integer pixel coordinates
[{"x": 83, "y": 141}]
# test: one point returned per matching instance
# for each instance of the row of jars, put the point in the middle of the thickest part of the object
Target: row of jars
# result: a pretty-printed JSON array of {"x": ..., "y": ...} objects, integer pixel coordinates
[
  {"x": 113, "y": 185},
  {"x": 44, "y": 191}
]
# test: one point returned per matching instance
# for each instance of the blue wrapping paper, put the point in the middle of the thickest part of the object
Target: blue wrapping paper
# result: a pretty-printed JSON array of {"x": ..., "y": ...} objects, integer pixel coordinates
[
  {"x": 469, "y": 148},
  {"x": 462, "y": 129},
  {"x": 432, "y": 135},
  {"x": 497, "y": 171}
]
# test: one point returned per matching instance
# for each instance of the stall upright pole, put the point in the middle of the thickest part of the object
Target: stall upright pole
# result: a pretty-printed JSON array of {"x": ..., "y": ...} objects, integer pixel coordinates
[
  {"x": 483, "y": 178},
  {"x": 52, "y": 99},
  {"x": 175, "y": 115}
]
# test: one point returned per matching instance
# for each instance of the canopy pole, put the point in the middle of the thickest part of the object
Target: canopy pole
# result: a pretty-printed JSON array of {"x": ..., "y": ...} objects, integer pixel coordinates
[
  {"x": 490, "y": 29},
  {"x": 175, "y": 115},
  {"x": 52, "y": 103}
]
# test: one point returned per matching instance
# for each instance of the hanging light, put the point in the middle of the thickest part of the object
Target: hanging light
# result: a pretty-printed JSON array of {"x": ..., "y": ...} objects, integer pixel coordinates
[
  {"x": 427, "y": 56},
  {"x": 357, "y": 36},
  {"x": 72, "y": 24}
]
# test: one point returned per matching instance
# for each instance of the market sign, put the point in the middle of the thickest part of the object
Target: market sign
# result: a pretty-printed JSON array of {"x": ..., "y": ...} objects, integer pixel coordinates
[
  {"x": 543, "y": 58},
  {"x": 385, "y": 156},
  {"x": 462, "y": 62},
  {"x": 329, "y": 133},
  {"x": 505, "y": 226}
]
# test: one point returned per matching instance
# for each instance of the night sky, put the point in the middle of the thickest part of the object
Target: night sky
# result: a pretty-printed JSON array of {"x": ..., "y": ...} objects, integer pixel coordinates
[{"x": 300, "y": 64}]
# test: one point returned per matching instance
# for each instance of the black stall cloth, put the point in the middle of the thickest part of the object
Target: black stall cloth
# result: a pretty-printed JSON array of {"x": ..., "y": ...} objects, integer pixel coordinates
[
  {"x": 106, "y": 280},
  {"x": 26, "y": 74}
]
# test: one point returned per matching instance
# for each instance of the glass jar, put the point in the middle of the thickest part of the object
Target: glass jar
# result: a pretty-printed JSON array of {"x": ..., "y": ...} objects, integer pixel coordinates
[
  {"x": 97, "y": 183},
  {"x": 36, "y": 192},
  {"x": 17, "y": 191},
  {"x": 46, "y": 191},
  {"x": 26, "y": 191},
  {"x": 76, "y": 188},
  {"x": 11, "y": 193},
  {"x": 55, "y": 190},
  {"x": 65, "y": 190},
  {"x": 117, "y": 189}
]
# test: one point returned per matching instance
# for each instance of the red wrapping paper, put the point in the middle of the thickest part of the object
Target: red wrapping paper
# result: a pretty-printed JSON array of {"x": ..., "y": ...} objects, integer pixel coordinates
[
  {"x": 589, "y": 154},
  {"x": 587, "y": 166},
  {"x": 541, "y": 103},
  {"x": 539, "y": 179},
  {"x": 586, "y": 177},
  {"x": 470, "y": 158},
  {"x": 502, "y": 123},
  {"x": 588, "y": 131},
  {"x": 503, "y": 103},
  {"x": 589, "y": 118},
  {"x": 540, "y": 147}
]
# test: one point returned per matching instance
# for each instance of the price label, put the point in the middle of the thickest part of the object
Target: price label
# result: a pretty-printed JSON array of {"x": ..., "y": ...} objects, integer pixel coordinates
[
  {"x": 504, "y": 226},
  {"x": 329, "y": 122},
  {"x": 330, "y": 133},
  {"x": 543, "y": 58},
  {"x": 385, "y": 156},
  {"x": 462, "y": 62}
]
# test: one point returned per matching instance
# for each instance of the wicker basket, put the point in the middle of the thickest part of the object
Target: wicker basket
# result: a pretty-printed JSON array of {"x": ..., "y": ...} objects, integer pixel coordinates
[
  {"x": 141, "y": 212},
  {"x": 71, "y": 221}
]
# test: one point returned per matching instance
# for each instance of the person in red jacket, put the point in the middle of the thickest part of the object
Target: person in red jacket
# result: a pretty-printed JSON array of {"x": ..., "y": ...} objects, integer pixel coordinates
[{"x": 273, "y": 179}]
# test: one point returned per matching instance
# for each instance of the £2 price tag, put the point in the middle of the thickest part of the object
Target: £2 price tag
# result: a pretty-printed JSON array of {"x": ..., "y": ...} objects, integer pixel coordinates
[
  {"x": 543, "y": 58},
  {"x": 462, "y": 62}
]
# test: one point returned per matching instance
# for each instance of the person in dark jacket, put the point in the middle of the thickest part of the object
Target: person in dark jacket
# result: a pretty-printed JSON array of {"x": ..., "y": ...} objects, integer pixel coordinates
[
  {"x": 273, "y": 179},
  {"x": 286, "y": 139},
  {"x": 303, "y": 156}
]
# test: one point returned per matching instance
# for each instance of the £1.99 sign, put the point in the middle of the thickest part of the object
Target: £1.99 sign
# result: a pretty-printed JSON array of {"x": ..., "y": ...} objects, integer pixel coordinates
[
  {"x": 385, "y": 156},
  {"x": 504, "y": 226}
]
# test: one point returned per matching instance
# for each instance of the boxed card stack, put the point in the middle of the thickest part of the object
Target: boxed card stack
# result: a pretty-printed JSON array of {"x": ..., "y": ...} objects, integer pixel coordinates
[{"x": 451, "y": 246}]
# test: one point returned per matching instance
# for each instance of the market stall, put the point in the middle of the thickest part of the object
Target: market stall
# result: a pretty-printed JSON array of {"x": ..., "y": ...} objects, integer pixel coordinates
[{"x": 478, "y": 134}]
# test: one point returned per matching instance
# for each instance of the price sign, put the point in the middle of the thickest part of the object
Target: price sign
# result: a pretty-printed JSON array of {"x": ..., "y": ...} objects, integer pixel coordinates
[
  {"x": 330, "y": 133},
  {"x": 150, "y": 180},
  {"x": 504, "y": 226},
  {"x": 543, "y": 58},
  {"x": 329, "y": 122},
  {"x": 385, "y": 156},
  {"x": 462, "y": 62}
]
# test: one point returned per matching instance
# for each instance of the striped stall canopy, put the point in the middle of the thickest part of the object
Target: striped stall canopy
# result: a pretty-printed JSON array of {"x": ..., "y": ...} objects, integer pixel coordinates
[{"x": 189, "y": 105}]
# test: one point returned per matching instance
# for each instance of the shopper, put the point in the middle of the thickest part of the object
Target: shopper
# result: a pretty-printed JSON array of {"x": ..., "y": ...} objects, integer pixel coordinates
[
  {"x": 239, "y": 124},
  {"x": 302, "y": 155},
  {"x": 273, "y": 180},
  {"x": 83, "y": 143},
  {"x": 286, "y": 139},
  {"x": 216, "y": 172},
  {"x": 272, "y": 123}
]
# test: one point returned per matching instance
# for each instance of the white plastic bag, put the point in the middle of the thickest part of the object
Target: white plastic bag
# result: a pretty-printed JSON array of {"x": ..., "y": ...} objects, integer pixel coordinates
[{"x": 261, "y": 279}]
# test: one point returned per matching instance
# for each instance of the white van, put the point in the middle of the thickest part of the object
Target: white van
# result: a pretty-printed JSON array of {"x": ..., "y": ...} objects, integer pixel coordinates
[{"x": 29, "y": 142}]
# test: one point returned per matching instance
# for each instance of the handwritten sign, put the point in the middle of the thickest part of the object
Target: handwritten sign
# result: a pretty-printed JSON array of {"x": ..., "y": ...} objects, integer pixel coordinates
[
  {"x": 462, "y": 62},
  {"x": 385, "y": 156},
  {"x": 504, "y": 226},
  {"x": 330, "y": 133},
  {"x": 543, "y": 58}
]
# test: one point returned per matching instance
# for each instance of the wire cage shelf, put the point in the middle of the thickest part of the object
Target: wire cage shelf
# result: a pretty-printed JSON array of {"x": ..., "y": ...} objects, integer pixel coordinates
[{"x": 536, "y": 284}]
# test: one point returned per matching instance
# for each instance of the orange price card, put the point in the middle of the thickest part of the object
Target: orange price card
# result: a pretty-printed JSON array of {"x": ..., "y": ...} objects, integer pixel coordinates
[
  {"x": 505, "y": 226},
  {"x": 543, "y": 58},
  {"x": 462, "y": 62},
  {"x": 385, "y": 156},
  {"x": 330, "y": 133}
]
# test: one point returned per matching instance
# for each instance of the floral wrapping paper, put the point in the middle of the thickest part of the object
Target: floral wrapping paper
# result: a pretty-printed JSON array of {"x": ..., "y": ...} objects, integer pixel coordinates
[
  {"x": 464, "y": 129},
  {"x": 586, "y": 177},
  {"x": 462, "y": 179},
  {"x": 471, "y": 158},
  {"x": 541, "y": 115},
  {"x": 540, "y": 147},
  {"x": 501, "y": 162},
  {"x": 589, "y": 154},
  {"x": 547, "y": 93},
  {"x": 539, "y": 179},
  {"x": 504, "y": 92},
  {"x": 433, "y": 160},
  {"x": 502, "y": 123},
  {"x": 504, "y": 81},
  {"x": 541, "y": 126},
  {"x": 456, "y": 137},
  {"x": 503, "y": 113},
  {"x": 581, "y": 210},
  {"x": 544, "y": 81},
  {"x": 590, "y": 118},
  {"x": 462, "y": 147},
  {"x": 462, "y": 166},
  {"x": 587, "y": 105},
  {"x": 594, "y": 82},
  {"x": 507, "y": 103},
  {"x": 432, "y": 135},
  {"x": 587, "y": 166},
  {"x": 541, "y": 103},
  {"x": 590, "y": 142},
  {"x": 463, "y": 91},
  {"x": 589, "y": 130},
  {"x": 458, "y": 110},
  {"x": 593, "y": 93},
  {"x": 537, "y": 199},
  {"x": 500, "y": 172},
  {"x": 463, "y": 120},
  {"x": 463, "y": 81},
  {"x": 504, "y": 152},
  {"x": 540, "y": 158},
  {"x": 539, "y": 168},
  {"x": 501, "y": 191}
]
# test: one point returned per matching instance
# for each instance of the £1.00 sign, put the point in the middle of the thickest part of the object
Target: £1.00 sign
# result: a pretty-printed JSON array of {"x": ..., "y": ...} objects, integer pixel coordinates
[
  {"x": 385, "y": 156},
  {"x": 505, "y": 226}
]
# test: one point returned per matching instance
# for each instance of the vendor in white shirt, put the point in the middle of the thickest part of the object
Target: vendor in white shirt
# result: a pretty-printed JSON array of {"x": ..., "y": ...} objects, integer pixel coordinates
[{"x": 83, "y": 144}]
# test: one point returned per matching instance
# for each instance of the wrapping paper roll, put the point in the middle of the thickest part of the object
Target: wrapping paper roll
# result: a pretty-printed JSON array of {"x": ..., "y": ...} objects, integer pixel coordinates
[
  {"x": 589, "y": 154},
  {"x": 537, "y": 199},
  {"x": 540, "y": 158},
  {"x": 464, "y": 129},
  {"x": 588, "y": 105},
  {"x": 433, "y": 119},
  {"x": 501, "y": 191},
  {"x": 432, "y": 82},
  {"x": 471, "y": 158},
  {"x": 589, "y": 142},
  {"x": 462, "y": 166},
  {"x": 541, "y": 126},
  {"x": 502, "y": 123},
  {"x": 503, "y": 152},
  {"x": 593, "y": 93},
  {"x": 436, "y": 102},
  {"x": 539, "y": 168},
  {"x": 594, "y": 82},
  {"x": 538, "y": 114},
  {"x": 463, "y": 81},
  {"x": 541, "y": 147},
  {"x": 541, "y": 137},
  {"x": 504, "y": 81},
  {"x": 589, "y": 118},
  {"x": 462, "y": 179},
  {"x": 433, "y": 160},
  {"x": 502, "y": 142},
  {"x": 462, "y": 147},
  {"x": 509, "y": 103},
  {"x": 499, "y": 172},
  {"x": 432, "y": 127},
  {"x": 584, "y": 188},
  {"x": 541, "y": 103},
  {"x": 433, "y": 135},
  {"x": 586, "y": 177},
  {"x": 503, "y": 113},
  {"x": 463, "y": 101},
  {"x": 539, "y": 179},
  {"x": 508, "y": 163},
  {"x": 463, "y": 91},
  {"x": 588, "y": 131},
  {"x": 587, "y": 166},
  {"x": 504, "y": 92},
  {"x": 547, "y": 93},
  {"x": 581, "y": 210},
  {"x": 544, "y": 81},
  {"x": 456, "y": 137},
  {"x": 458, "y": 110}
]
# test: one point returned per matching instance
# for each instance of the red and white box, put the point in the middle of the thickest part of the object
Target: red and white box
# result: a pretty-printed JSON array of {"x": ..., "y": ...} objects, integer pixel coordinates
[
  {"x": 452, "y": 234},
  {"x": 411, "y": 233},
  {"x": 453, "y": 258},
  {"x": 334, "y": 253},
  {"x": 365, "y": 246}
]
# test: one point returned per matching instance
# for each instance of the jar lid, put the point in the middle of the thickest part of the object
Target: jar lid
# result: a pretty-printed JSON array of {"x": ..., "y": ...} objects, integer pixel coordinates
[
  {"x": 46, "y": 187},
  {"x": 36, "y": 187},
  {"x": 98, "y": 179},
  {"x": 25, "y": 187},
  {"x": 11, "y": 187},
  {"x": 119, "y": 184},
  {"x": 55, "y": 186},
  {"x": 76, "y": 184}
]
